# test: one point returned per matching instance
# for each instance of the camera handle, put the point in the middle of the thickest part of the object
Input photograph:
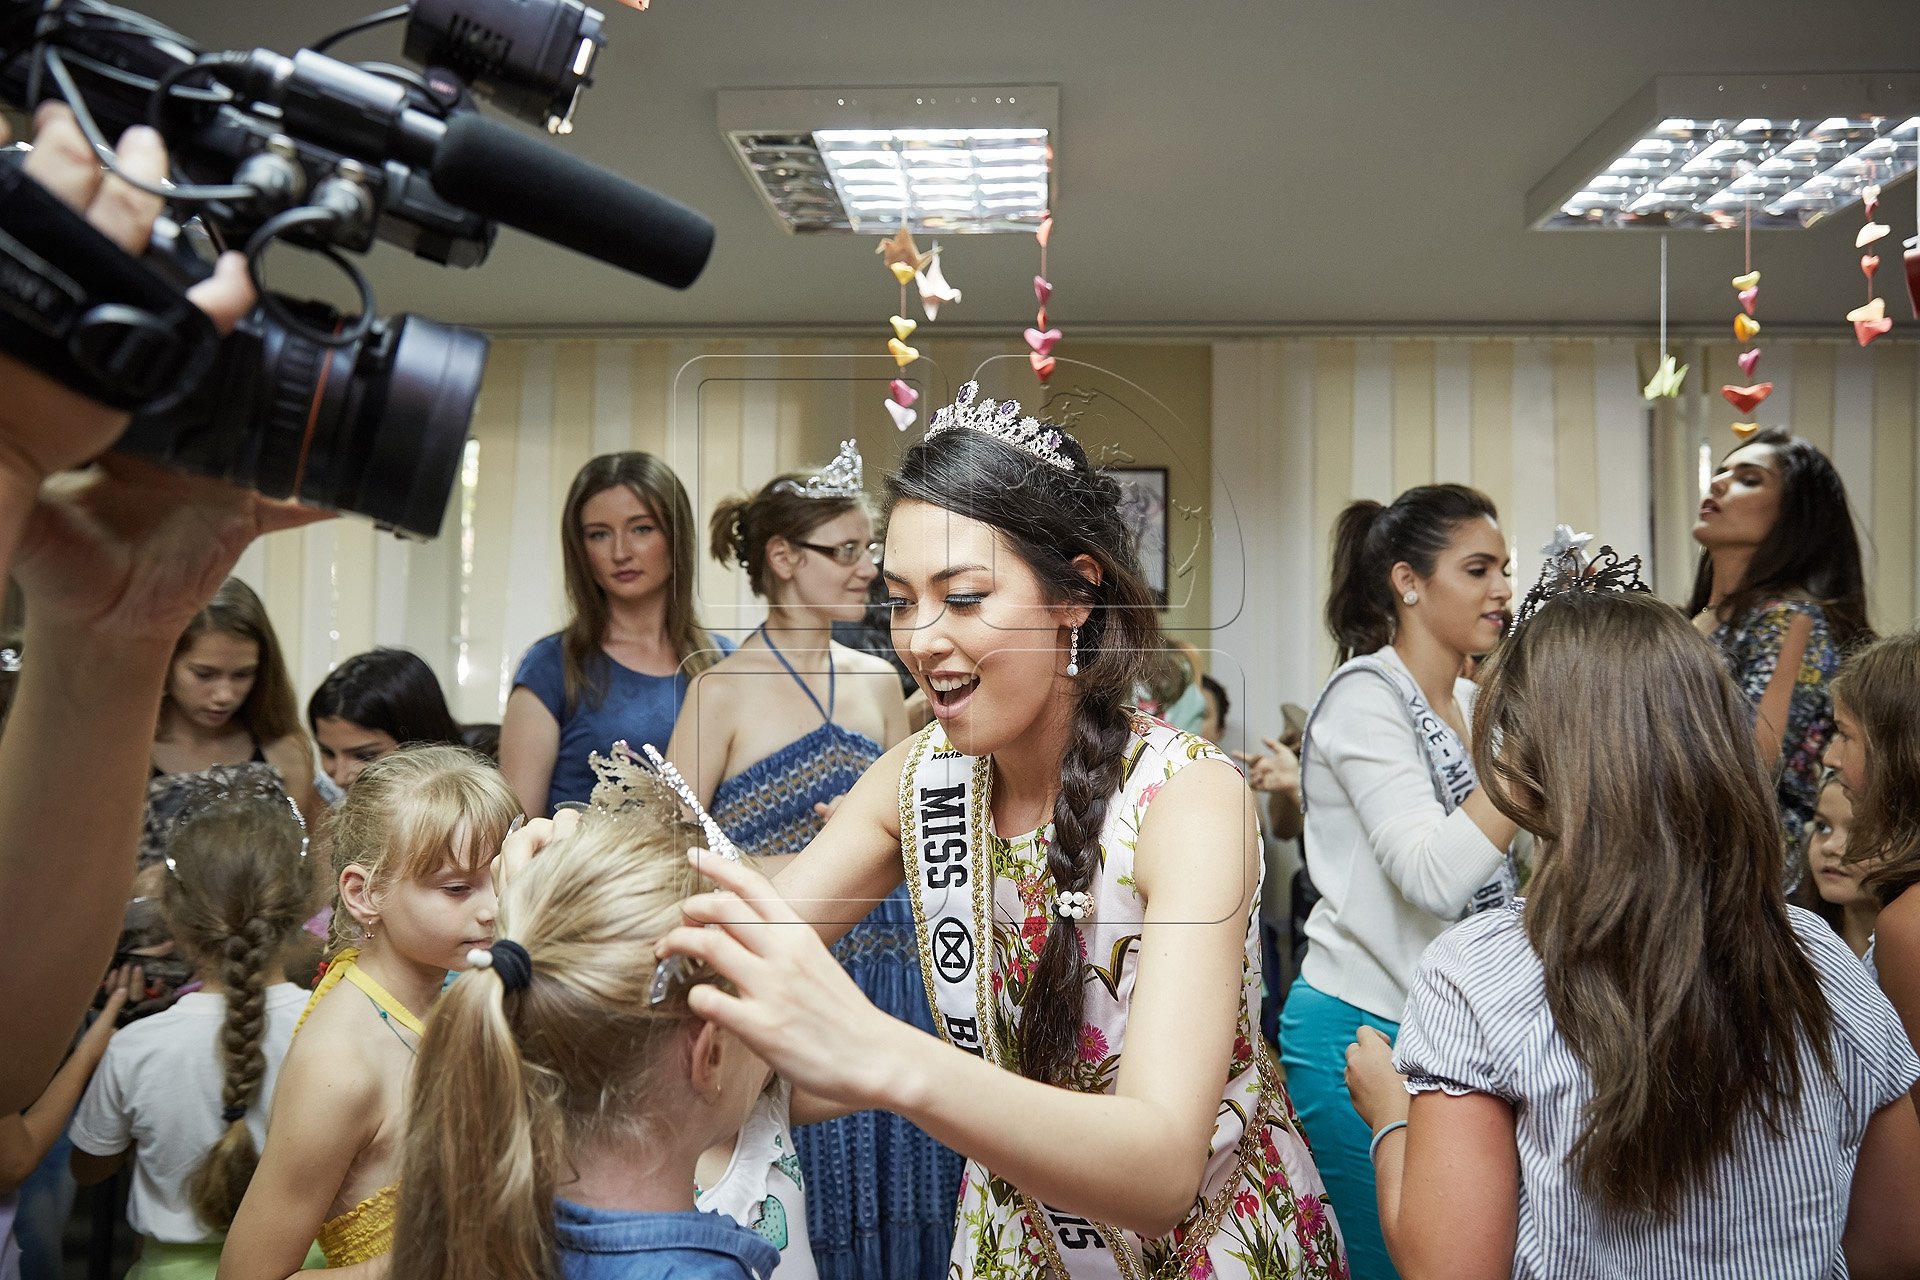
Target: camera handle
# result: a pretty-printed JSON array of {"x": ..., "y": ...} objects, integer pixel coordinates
[{"x": 77, "y": 307}]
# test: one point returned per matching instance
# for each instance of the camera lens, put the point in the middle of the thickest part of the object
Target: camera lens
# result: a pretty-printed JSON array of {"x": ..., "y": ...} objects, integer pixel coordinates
[{"x": 373, "y": 428}]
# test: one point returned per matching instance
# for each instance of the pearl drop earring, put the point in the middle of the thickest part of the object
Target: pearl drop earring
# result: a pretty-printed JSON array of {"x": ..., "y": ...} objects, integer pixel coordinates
[{"x": 1073, "y": 652}]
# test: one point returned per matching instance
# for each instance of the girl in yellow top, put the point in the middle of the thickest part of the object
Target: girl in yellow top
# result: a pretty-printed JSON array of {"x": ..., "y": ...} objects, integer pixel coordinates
[{"x": 412, "y": 844}]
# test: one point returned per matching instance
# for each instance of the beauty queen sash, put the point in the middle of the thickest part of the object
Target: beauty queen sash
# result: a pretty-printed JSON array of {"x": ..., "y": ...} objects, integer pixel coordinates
[
  {"x": 944, "y": 807},
  {"x": 1449, "y": 764}
]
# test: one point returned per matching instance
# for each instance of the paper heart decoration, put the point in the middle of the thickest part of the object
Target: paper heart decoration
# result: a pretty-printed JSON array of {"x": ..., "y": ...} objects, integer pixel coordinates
[
  {"x": 902, "y": 327},
  {"x": 1747, "y": 399},
  {"x": 1042, "y": 343},
  {"x": 1747, "y": 360},
  {"x": 1745, "y": 429},
  {"x": 1744, "y": 327},
  {"x": 902, "y": 416},
  {"x": 1867, "y": 330},
  {"x": 1869, "y": 233},
  {"x": 1913, "y": 279},
  {"x": 903, "y": 355},
  {"x": 1748, "y": 297},
  {"x": 1045, "y": 233},
  {"x": 902, "y": 393},
  {"x": 901, "y": 271},
  {"x": 1746, "y": 281},
  {"x": 1042, "y": 289},
  {"x": 1666, "y": 379},
  {"x": 1875, "y": 309},
  {"x": 1871, "y": 195},
  {"x": 1042, "y": 365},
  {"x": 1869, "y": 263}
]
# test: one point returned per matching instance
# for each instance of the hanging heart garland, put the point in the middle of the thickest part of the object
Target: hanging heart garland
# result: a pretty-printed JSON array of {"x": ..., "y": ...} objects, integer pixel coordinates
[
  {"x": 1746, "y": 287},
  {"x": 1870, "y": 321},
  {"x": 1042, "y": 336}
]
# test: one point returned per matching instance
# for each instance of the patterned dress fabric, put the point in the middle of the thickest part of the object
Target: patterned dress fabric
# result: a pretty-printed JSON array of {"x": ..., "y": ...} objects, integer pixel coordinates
[
  {"x": 1751, "y": 644},
  {"x": 880, "y": 1193},
  {"x": 1262, "y": 1210}
]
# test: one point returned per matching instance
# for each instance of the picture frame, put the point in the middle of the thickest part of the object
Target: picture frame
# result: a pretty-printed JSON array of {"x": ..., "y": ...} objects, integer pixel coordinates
[{"x": 1145, "y": 508}]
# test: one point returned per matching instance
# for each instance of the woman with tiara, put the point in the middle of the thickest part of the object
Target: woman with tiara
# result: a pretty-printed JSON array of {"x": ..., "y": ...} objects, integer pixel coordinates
[
  {"x": 770, "y": 737},
  {"x": 1084, "y": 881}
]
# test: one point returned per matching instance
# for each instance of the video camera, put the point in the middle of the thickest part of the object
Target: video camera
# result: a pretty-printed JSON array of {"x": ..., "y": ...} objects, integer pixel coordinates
[{"x": 351, "y": 412}]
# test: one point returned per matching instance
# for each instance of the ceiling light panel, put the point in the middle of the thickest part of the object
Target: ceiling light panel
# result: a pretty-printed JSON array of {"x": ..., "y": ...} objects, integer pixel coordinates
[
  {"x": 1712, "y": 153},
  {"x": 945, "y": 160}
]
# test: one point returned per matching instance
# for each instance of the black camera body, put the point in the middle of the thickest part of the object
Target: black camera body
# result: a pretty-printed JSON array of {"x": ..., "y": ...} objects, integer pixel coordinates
[{"x": 354, "y": 413}]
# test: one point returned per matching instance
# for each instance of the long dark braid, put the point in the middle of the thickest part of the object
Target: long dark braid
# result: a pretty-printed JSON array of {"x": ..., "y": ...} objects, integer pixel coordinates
[
  {"x": 236, "y": 893},
  {"x": 1052, "y": 517}
]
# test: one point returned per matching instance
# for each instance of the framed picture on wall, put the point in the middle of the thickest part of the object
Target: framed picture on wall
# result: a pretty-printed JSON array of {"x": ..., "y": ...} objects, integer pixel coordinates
[{"x": 1143, "y": 505}]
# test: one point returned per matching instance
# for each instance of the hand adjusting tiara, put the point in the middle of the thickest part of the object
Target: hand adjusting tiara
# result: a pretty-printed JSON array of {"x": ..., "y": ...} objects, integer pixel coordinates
[
  {"x": 844, "y": 477},
  {"x": 1002, "y": 420},
  {"x": 1573, "y": 571}
]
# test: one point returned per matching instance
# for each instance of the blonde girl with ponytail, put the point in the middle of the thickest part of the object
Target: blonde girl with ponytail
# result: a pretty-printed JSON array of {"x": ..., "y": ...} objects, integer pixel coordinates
[
  {"x": 184, "y": 1093},
  {"x": 412, "y": 847},
  {"x": 558, "y": 1112}
]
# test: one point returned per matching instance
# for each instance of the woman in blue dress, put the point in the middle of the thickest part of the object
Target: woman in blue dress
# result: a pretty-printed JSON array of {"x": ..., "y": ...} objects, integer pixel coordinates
[
  {"x": 620, "y": 668},
  {"x": 770, "y": 737}
]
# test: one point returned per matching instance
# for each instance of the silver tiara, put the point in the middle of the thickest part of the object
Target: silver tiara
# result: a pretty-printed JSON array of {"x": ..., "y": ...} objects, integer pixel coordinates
[
  {"x": 1002, "y": 421},
  {"x": 844, "y": 477}
]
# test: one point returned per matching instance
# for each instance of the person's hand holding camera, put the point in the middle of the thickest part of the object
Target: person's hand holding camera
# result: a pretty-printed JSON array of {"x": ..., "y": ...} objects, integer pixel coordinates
[
  {"x": 46, "y": 427},
  {"x": 114, "y": 561}
]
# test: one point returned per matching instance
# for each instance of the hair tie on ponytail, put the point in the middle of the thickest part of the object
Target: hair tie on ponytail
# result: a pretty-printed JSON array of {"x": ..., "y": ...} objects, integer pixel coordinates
[
  {"x": 233, "y": 1113},
  {"x": 508, "y": 959}
]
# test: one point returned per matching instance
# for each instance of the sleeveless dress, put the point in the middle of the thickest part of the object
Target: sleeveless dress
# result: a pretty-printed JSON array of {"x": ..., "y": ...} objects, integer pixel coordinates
[
  {"x": 365, "y": 1231},
  {"x": 1261, "y": 1208},
  {"x": 880, "y": 1193}
]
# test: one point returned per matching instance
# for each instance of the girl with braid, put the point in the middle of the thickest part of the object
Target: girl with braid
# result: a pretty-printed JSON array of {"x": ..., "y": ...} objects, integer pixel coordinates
[
  {"x": 412, "y": 845},
  {"x": 184, "y": 1093},
  {"x": 1085, "y": 882}
]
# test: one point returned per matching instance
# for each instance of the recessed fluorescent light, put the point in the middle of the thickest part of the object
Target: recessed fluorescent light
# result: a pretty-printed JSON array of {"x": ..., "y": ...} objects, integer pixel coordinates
[
  {"x": 1718, "y": 152},
  {"x": 945, "y": 160}
]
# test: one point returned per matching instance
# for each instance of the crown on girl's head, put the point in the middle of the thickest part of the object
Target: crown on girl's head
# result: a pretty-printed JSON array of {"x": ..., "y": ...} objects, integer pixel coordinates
[
  {"x": 1572, "y": 570},
  {"x": 844, "y": 477},
  {"x": 1002, "y": 420}
]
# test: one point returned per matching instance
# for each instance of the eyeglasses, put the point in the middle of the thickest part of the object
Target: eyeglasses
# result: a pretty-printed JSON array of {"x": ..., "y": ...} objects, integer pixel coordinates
[{"x": 846, "y": 552}]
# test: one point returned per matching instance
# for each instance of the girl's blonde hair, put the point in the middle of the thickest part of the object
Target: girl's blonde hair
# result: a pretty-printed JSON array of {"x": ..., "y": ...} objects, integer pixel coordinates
[
  {"x": 508, "y": 1083},
  {"x": 1880, "y": 685},
  {"x": 408, "y": 814},
  {"x": 236, "y": 891}
]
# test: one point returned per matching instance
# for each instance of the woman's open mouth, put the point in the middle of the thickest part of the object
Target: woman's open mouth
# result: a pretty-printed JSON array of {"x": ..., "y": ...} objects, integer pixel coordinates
[{"x": 950, "y": 691}]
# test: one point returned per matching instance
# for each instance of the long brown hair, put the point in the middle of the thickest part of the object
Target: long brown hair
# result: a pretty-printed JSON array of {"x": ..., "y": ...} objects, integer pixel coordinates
[
  {"x": 508, "y": 1084},
  {"x": 583, "y": 665},
  {"x": 269, "y": 712},
  {"x": 1608, "y": 727},
  {"x": 1811, "y": 549},
  {"x": 1369, "y": 539},
  {"x": 235, "y": 892},
  {"x": 1049, "y": 517},
  {"x": 408, "y": 813},
  {"x": 1880, "y": 686}
]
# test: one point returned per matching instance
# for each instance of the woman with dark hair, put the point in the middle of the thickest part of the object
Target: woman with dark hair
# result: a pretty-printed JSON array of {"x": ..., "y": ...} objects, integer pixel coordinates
[
  {"x": 373, "y": 704},
  {"x": 770, "y": 737},
  {"x": 1399, "y": 839},
  {"x": 1083, "y": 880},
  {"x": 1654, "y": 1067},
  {"x": 620, "y": 667},
  {"x": 1781, "y": 594}
]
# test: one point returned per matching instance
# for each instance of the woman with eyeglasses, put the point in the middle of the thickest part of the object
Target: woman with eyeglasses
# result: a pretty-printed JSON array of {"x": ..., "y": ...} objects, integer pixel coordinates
[
  {"x": 771, "y": 737},
  {"x": 621, "y": 666}
]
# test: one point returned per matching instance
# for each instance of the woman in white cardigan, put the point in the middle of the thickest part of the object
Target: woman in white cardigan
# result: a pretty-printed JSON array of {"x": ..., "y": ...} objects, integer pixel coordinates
[{"x": 1399, "y": 841}]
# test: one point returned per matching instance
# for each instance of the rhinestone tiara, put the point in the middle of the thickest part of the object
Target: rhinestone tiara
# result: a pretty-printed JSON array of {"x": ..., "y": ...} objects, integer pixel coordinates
[
  {"x": 844, "y": 477},
  {"x": 1002, "y": 421}
]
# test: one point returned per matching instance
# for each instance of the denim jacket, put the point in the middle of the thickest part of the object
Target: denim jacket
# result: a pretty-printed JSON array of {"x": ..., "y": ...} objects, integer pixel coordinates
[{"x": 618, "y": 1244}]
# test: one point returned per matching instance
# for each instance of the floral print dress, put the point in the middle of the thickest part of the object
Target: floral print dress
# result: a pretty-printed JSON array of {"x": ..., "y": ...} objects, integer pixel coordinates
[
  {"x": 1262, "y": 1209},
  {"x": 1751, "y": 645}
]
